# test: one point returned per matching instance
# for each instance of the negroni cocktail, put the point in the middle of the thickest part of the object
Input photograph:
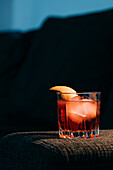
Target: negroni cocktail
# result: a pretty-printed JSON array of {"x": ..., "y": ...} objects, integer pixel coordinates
[
  {"x": 78, "y": 114},
  {"x": 79, "y": 117}
]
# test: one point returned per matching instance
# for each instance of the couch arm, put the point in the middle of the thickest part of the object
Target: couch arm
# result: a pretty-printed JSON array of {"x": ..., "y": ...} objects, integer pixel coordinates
[{"x": 45, "y": 151}]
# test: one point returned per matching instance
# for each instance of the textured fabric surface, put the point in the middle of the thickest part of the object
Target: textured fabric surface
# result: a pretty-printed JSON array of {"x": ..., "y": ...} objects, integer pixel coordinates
[{"x": 45, "y": 151}]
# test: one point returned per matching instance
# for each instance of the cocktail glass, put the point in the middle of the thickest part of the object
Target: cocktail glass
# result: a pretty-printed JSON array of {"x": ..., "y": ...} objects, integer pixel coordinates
[{"x": 79, "y": 117}]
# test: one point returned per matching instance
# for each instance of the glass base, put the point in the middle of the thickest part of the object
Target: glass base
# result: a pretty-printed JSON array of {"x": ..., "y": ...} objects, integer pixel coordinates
[{"x": 79, "y": 134}]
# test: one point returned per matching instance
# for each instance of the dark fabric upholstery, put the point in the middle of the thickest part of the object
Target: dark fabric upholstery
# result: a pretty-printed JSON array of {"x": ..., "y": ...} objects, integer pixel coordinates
[
  {"x": 45, "y": 151},
  {"x": 75, "y": 52}
]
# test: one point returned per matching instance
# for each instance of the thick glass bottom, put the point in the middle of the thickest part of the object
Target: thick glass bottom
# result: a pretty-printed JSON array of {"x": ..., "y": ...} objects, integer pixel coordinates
[{"x": 78, "y": 134}]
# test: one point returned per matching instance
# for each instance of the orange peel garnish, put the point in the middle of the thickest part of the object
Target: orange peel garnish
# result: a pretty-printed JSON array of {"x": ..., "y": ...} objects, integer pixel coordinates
[{"x": 67, "y": 93}]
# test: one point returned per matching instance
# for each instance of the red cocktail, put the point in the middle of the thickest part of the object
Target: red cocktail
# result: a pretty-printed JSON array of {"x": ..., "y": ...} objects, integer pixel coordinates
[{"x": 79, "y": 116}]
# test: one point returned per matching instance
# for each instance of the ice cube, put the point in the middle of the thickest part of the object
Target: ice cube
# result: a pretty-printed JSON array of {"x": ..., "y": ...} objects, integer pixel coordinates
[
  {"x": 76, "y": 98},
  {"x": 84, "y": 109},
  {"x": 89, "y": 108}
]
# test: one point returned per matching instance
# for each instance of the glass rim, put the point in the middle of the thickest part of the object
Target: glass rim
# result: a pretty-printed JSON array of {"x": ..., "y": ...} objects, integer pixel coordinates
[{"x": 79, "y": 92}]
